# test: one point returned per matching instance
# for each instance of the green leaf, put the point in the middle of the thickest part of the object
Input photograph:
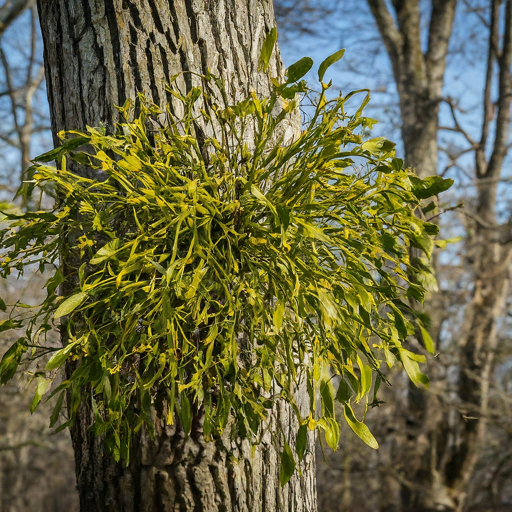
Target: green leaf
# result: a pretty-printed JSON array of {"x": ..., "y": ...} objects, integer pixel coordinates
[
  {"x": 284, "y": 215},
  {"x": 365, "y": 377},
  {"x": 297, "y": 70},
  {"x": 332, "y": 433},
  {"x": 328, "y": 304},
  {"x": 159, "y": 267},
  {"x": 56, "y": 410},
  {"x": 7, "y": 325},
  {"x": 267, "y": 49},
  {"x": 70, "y": 304},
  {"x": 411, "y": 366},
  {"x": 344, "y": 392},
  {"x": 328, "y": 62},
  {"x": 63, "y": 426},
  {"x": 67, "y": 146},
  {"x": 107, "y": 251},
  {"x": 42, "y": 386},
  {"x": 314, "y": 231},
  {"x": 3, "y": 307},
  {"x": 430, "y": 228},
  {"x": 377, "y": 145},
  {"x": 81, "y": 273},
  {"x": 11, "y": 360},
  {"x": 302, "y": 441},
  {"x": 53, "y": 283},
  {"x": 443, "y": 243},
  {"x": 360, "y": 428},
  {"x": 400, "y": 325},
  {"x": 430, "y": 207},
  {"x": 427, "y": 340},
  {"x": 430, "y": 186},
  {"x": 60, "y": 356},
  {"x": 326, "y": 390},
  {"x": 256, "y": 192},
  {"x": 278, "y": 317},
  {"x": 287, "y": 465},
  {"x": 416, "y": 292},
  {"x": 376, "y": 387},
  {"x": 185, "y": 414},
  {"x": 289, "y": 93}
]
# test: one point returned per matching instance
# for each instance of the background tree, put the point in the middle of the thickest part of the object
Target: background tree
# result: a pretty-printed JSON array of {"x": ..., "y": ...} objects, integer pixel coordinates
[{"x": 25, "y": 121}]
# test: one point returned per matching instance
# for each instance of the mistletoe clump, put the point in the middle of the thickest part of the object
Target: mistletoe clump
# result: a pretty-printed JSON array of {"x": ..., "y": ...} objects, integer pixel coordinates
[{"x": 214, "y": 265}]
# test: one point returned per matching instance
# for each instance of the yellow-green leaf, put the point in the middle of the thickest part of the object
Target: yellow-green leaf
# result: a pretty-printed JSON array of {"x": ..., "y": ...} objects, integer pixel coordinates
[
  {"x": 70, "y": 304},
  {"x": 360, "y": 428},
  {"x": 42, "y": 386},
  {"x": 60, "y": 356},
  {"x": 329, "y": 61},
  {"x": 267, "y": 49},
  {"x": 278, "y": 317},
  {"x": 427, "y": 340}
]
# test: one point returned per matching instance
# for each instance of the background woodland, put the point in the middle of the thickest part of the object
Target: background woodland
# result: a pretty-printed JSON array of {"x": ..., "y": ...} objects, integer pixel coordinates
[{"x": 440, "y": 75}]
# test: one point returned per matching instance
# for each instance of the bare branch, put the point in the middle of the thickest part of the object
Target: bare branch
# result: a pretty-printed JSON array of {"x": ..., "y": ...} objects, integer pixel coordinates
[
  {"x": 33, "y": 46},
  {"x": 441, "y": 24},
  {"x": 8, "y": 92},
  {"x": 480, "y": 157},
  {"x": 504, "y": 99},
  {"x": 301, "y": 16},
  {"x": 457, "y": 128},
  {"x": 11, "y": 10},
  {"x": 453, "y": 159},
  {"x": 476, "y": 11},
  {"x": 392, "y": 38},
  {"x": 10, "y": 88},
  {"x": 408, "y": 15},
  {"x": 11, "y": 142}
]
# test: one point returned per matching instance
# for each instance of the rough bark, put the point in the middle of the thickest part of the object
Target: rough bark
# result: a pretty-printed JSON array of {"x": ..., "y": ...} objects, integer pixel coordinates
[{"x": 97, "y": 54}]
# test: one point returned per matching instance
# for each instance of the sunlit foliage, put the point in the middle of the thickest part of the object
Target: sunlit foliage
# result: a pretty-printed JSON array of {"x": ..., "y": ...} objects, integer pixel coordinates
[{"x": 209, "y": 270}]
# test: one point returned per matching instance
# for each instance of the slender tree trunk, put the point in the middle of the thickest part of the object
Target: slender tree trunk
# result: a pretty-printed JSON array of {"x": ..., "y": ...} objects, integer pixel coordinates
[
  {"x": 97, "y": 54},
  {"x": 491, "y": 286}
]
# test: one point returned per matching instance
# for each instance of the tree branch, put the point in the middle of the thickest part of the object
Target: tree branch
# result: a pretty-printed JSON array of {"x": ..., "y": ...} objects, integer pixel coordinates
[
  {"x": 11, "y": 142},
  {"x": 408, "y": 15},
  {"x": 457, "y": 128},
  {"x": 453, "y": 159},
  {"x": 10, "y": 89},
  {"x": 392, "y": 38},
  {"x": 505, "y": 95},
  {"x": 441, "y": 23},
  {"x": 33, "y": 46},
  {"x": 21, "y": 445},
  {"x": 480, "y": 157},
  {"x": 11, "y": 10}
]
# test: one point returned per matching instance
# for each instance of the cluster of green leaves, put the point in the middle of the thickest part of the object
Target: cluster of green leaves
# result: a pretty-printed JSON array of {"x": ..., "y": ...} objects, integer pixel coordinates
[{"x": 214, "y": 265}]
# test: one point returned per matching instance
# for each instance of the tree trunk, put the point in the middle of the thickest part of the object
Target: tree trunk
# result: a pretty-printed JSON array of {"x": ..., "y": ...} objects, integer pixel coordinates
[
  {"x": 97, "y": 54},
  {"x": 487, "y": 306}
]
